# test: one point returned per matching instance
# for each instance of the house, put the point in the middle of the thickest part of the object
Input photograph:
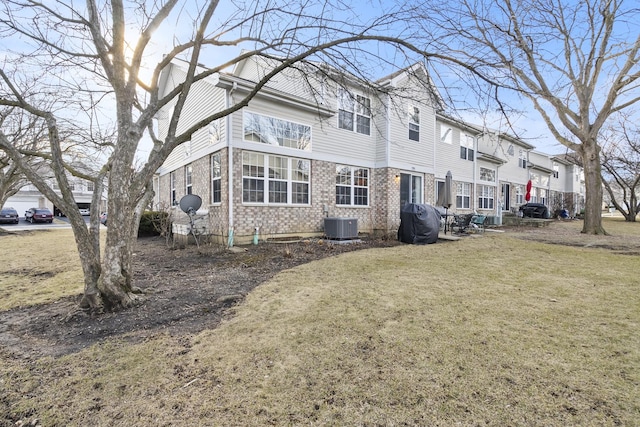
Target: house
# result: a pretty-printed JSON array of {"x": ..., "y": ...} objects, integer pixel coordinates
[
  {"x": 30, "y": 197},
  {"x": 299, "y": 153}
]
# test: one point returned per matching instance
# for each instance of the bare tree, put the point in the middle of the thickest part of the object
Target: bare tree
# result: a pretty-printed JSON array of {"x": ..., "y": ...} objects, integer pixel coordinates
[
  {"x": 577, "y": 62},
  {"x": 86, "y": 64},
  {"x": 621, "y": 168},
  {"x": 27, "y": 137}
]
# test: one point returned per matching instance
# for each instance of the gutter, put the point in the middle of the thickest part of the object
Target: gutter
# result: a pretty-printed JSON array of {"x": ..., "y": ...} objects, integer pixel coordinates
[{"x": 230, "y": 162}]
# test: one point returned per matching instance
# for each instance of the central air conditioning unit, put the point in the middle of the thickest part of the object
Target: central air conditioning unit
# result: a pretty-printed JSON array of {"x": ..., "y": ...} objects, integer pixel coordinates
[{"x": 341, "y": 228}]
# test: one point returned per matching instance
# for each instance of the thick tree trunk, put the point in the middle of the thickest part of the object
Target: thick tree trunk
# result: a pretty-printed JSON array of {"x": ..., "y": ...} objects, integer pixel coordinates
[
  {"x": 593, "y": 185},
  {"x": 115, "y": 283}
]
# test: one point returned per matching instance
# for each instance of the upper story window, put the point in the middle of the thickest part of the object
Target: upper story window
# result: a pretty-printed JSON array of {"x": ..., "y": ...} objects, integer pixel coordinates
[
  {"x": 215, "y": 133},
  {"x": 278, "y": 132},
  {"x": 446, "y": 134},
  {"x": 188, "y": 176},
  {"x": 354, "y": 113},
  {"x": 186, "y": 146},
  {"x": 487, "y": 175},
  {"x": 275, "y": 179},
  {"x": 535, "y": 178},
  {"x": 556, "y": 170},
  {"x": 522, "y": 159},
  {"x": 90, "y": 186},
  {"x": 216, "y": 178},
  {"x": 352, "y": 186},
  {"x": 414, "y": 123},
  {"x": 466, "y": 147}
]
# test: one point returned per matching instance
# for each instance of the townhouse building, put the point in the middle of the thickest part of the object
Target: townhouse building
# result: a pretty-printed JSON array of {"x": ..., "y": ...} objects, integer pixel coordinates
[{"x": 314, "y": 144}]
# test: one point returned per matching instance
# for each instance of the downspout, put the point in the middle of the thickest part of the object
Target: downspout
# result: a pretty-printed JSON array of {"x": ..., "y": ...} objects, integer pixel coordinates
[
  {"x": 475, "y": 167},
  {"x": 387, "y": 160},
  {"x": 498, "y": 191},
  {"x": 230, "y": 164}
]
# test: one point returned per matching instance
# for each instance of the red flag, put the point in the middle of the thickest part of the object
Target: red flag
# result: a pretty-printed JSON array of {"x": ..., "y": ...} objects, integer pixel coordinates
[{"x": 527, "y": 196}]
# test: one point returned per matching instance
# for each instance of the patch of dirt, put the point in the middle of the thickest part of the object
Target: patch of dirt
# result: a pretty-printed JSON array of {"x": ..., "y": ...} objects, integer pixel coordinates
[{"x": 184, "y": 291}]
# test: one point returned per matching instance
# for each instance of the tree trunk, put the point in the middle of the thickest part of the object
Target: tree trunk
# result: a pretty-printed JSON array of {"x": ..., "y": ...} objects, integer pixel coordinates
[
  {"x": 115, "y": 283},
  {"x": 590, "y": 153}
]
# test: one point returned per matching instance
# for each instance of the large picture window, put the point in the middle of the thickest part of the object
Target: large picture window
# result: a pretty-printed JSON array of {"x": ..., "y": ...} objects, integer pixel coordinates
[
  {"x": 274, "y": 179},
  {"x": 486, "y": 196},
  {"x": 216, "y": 178},
  {"x": 463, "y": 195},
  {"x": 352, "y": 186},
  {"x": 354, "y": 113},
  {"x": 272, "y": 131}
]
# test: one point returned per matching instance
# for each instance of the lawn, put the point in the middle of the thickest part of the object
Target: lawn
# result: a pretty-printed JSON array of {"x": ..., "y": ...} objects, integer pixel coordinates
[{"x": 495, "y": 330}]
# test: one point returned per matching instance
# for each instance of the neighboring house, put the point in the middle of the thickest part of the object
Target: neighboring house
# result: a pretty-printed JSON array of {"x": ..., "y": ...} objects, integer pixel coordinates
[
  {"x": 292, "y": 157},
  {"x": 30, "y": 197}
]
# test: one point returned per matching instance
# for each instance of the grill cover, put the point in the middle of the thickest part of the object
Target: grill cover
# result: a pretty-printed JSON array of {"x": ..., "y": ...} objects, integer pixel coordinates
[{"x": 419, "y": 224}]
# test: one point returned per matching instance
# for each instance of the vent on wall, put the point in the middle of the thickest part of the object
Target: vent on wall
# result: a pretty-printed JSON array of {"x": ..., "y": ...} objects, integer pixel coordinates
[{"x": 341, "y": 228}]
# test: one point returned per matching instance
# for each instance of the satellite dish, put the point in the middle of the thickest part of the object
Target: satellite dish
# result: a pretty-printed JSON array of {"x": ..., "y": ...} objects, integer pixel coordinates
[{"x": 190, "y": 203}]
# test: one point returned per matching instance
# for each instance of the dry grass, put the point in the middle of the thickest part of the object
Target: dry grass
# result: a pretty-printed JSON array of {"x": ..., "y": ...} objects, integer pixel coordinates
[
  {"x": 485, "y": 331},
  {"x": 48, "y": 258}
]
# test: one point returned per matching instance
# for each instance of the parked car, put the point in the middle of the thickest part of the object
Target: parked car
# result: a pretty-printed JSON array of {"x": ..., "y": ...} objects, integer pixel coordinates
[
  {"x": 38, "y": 215},
  {"x": 534, "y": 210},
  {"x": 9, "y": 216},
  {"x": 85, "y": 211},
  {"x": 103, "y": 218}
]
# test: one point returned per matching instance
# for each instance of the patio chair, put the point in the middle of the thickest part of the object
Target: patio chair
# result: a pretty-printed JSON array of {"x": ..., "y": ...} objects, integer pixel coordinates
[
  {"x": 478, "y": 223},
  {"x": 460, "y": 223}
]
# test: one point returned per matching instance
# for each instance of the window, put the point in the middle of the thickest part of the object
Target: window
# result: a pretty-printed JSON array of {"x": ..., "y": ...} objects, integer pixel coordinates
[
  {"x": 445, "y": 134},
  {"x": 172, "y": 188},
  {"x": 466, "y": 147},
  {"x": 348, "y": 108},
  {"x": 463, "y": 195},
  {"x": 556, "y": 170},
  {"x": 519, "y": 194},
  {"x": 216, "y": 178},
  {"x": 487, "y": 175},
  {"x": 277, "y": 132},
  {"x": 276, "y": 179},
  {"x": 414, "y": 123},
  {"x": 90, "y": 186},
  {"x": 352, "y": 186},
  {"x": 486, "y": 197},
  {"x": 215, "y": 134},
  {"x": 186, "y": 146},
  {"x": 363, "y": 115},
  {"x": 535, "y": 178},
  {"x": 188, "y": 173},
  {"x": 522, "y": 159}
]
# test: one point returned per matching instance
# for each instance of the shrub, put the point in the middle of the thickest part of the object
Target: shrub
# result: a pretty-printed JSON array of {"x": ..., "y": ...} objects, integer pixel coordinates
[{"x": 152, "y": 223}]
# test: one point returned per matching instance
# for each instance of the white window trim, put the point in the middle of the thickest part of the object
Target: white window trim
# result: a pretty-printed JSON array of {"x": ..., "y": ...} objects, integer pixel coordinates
[
  {"x": 354, "y": 109},
  {"x": 216, "y": 178},
  {"x": 352, "y": 187},
  {"x": 290, "y": 181}
]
